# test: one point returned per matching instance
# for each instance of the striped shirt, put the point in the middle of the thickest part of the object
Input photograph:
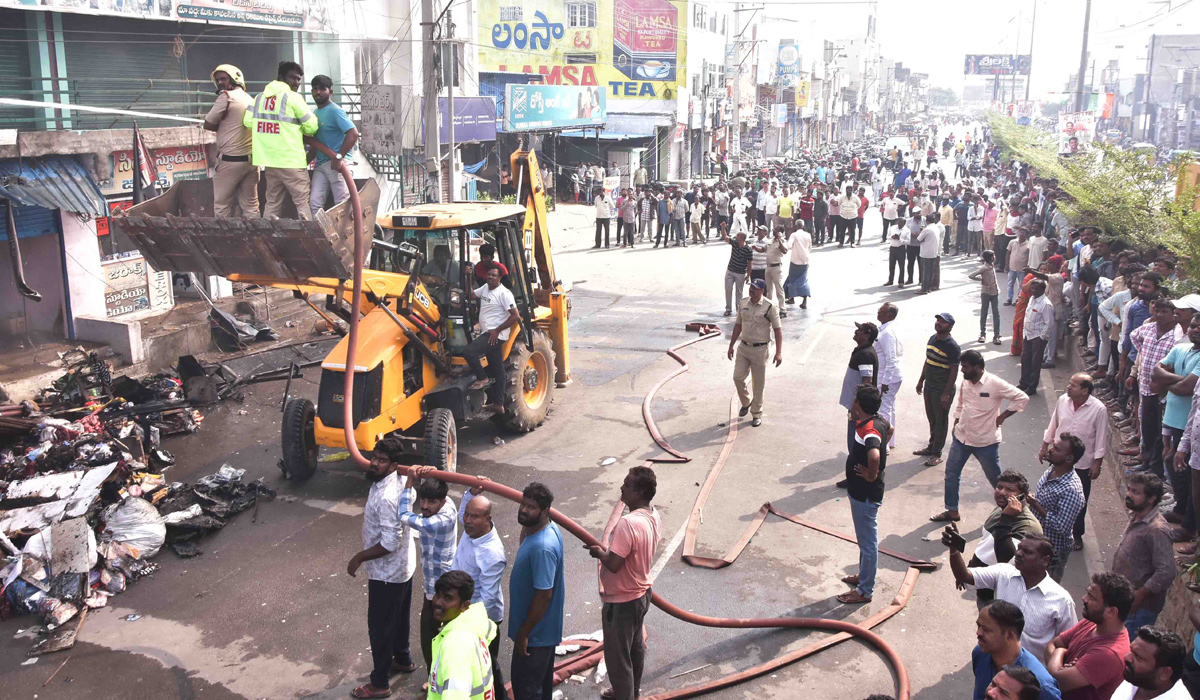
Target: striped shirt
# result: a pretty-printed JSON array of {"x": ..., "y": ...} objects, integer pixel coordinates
[
  {"x": 1048, "y": 608},
  {"x": 758, "y": 254},
  {"x": 439, "y": 534},
  {"x": 1152, "y": 348},
  {"x": 739, "y": 257},
  {"x": 1062, "y": 497}
]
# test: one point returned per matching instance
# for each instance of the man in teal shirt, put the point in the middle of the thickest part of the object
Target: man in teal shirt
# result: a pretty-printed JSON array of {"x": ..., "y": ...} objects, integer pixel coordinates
[
  {"x": 337, "y": 133},
  {"x": 1177, "y": 373}
]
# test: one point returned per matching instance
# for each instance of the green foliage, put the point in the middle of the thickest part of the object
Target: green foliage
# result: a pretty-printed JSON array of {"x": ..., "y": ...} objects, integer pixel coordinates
[
  {"x": 1125, "y": 193},
  {"x": 942, "y": 97}
]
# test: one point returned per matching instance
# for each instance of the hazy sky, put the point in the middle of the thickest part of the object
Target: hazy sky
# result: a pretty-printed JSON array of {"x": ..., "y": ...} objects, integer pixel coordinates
[{"x": 932, "y": 36}]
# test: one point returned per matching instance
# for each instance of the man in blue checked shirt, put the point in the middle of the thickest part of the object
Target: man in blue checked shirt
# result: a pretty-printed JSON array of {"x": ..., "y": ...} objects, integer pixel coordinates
[
  {"x": 438, "y": 528},
  {"x": 1059, "y": 499}
]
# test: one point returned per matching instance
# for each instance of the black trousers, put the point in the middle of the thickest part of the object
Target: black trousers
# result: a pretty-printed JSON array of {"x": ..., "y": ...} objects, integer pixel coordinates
[
  {"x": 497, "y": 676},
  {"x": 388, "y": 606},
  {"x": 603, "y": 224},
  {"x": 1181, "y": 483},
  {"x": 912, "y": 252},
  {"x": 937, "y": 414},
  {"x": 895, "y": 262},
  {"x": 1032, "y": 352},
  {"x": 429, "y": 630},
  {"x": 495, "y": 367},
  {"x": 1001, "y": 246},
  {"x": 533, "y": 675},
  {"x": 1085, "y": 476},
  {"x": 886, "y": 223},
  {"x": 1191, "y": 675},
  {"x": 818, "y": 230},
  {"x": 1151, "y": 415},
  {"x": 664, "y": 231}
]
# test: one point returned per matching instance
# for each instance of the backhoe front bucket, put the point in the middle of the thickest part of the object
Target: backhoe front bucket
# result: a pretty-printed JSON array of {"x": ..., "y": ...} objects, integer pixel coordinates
[{"x": 178, "y": 232}]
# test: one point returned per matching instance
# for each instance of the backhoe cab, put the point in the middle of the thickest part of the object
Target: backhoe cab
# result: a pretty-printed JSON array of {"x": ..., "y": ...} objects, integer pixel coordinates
[{"x": 410, "y": 379}]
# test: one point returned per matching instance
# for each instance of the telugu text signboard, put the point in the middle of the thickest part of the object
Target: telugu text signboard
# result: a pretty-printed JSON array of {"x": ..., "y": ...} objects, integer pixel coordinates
[
  {"x": 302, "y": 15},
  {"x": 180, "y": 163},
  {"x": 379, "y": 108},
  {"x": 996, "y": 64},
  {"x": 130, "y": 285},
  {"x": 531, "y": 107},
  {"x": 630, "y": 49}
]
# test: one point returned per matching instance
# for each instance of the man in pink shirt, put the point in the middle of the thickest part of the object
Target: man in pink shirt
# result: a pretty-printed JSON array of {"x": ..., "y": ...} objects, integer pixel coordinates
[{"x": 625, "y": 583}]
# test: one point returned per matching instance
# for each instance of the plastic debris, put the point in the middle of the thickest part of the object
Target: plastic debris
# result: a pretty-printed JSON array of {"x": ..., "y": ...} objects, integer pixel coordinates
[
  {"x": 137, "y": 523},
  {"x": 497, "y": 440},
  {"x": 335, "y": 456},
  {"x": 132, "y": 617},
  {"x": 607, "y": 461}
]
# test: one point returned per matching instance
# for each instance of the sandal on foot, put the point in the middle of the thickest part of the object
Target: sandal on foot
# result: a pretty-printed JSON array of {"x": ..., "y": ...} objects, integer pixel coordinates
[
  {"x": 479, "y": 384},
  {"x": 933, "y": 460},
  {"x": 924, "y": 452},
  {"x": 851, "y": 580},
  {"x": 397, "y": 667},
  {"x": 368, "y": 690},
  {"x": 852, "y": 598},
  {"x": 945, "y": 517}
]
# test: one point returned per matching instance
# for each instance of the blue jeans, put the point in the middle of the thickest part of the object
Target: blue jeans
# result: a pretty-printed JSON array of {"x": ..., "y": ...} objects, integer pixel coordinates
[
  {"x": 1139, "y": 619},
  {"x": 1014, "y": 283},
  {"x": 866, "y": 531},
  {"x": 989, "y": 459}
]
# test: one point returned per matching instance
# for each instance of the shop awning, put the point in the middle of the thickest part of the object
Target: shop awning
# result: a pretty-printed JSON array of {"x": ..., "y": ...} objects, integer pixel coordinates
[{"x": 53, "y": 182}]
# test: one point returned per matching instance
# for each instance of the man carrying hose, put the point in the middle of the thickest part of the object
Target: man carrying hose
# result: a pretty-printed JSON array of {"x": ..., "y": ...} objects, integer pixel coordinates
[{"x": 625, "y": 583}]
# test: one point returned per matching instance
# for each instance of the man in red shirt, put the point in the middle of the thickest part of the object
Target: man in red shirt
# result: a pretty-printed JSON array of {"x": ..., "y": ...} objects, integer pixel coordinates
[
  {"x": 487, "y": 254},
  {"x": 1088, "y": 660},
  {"x": 625, "y": 583},
  {"x": 804, "y": 209}
]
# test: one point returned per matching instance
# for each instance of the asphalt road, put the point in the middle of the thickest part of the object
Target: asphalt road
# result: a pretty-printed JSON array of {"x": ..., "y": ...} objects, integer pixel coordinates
[{"x": 269, "y": 612}]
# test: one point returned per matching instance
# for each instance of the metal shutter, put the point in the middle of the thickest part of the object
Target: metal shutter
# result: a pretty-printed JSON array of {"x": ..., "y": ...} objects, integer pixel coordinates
[
  {"x": 14, "y": 70},
  {"x": 129, "y": 64},
  {"x": 31, "y": 221}
]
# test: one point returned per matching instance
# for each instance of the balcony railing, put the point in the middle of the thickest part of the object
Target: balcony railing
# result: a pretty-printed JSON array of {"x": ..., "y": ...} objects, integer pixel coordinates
[{"x": 177, "y": 98}]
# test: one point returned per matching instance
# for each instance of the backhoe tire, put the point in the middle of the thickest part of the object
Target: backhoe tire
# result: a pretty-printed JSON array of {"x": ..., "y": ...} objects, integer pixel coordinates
[
  {"x": 529, "y": 384},
  {"x": 300, "y": 449},
  {"x": 441, "y": 440}
]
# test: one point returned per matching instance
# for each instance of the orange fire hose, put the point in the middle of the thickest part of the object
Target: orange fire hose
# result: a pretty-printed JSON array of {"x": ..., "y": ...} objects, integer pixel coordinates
[{"x": 845, "y": 630}]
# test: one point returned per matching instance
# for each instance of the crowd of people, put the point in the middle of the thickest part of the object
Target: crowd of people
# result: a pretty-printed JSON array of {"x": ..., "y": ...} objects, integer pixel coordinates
[{"x": 1065, "y": 279}]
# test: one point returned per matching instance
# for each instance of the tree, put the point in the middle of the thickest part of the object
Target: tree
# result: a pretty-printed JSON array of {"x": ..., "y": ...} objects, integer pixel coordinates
[{"x": 942, "y": 97}]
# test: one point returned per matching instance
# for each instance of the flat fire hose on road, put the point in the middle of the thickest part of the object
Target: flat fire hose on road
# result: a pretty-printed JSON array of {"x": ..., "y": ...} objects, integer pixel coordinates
[{"x": 592, "y": 655}]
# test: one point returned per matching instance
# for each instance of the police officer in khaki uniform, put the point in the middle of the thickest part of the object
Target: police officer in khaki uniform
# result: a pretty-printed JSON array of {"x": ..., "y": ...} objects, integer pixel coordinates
[
  {"x": 757, "y": 319},
  {"x": 776, "y": 251}
]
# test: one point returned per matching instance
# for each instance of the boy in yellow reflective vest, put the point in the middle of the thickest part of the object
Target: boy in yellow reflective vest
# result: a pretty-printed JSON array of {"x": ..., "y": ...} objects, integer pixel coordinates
[
  {"x": 279, "y": 120},
  {"x": 462, "y": 666}
]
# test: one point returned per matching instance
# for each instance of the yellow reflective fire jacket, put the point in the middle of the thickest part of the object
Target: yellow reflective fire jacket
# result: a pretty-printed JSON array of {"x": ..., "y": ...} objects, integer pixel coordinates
[{"x": 278, "y": 122}]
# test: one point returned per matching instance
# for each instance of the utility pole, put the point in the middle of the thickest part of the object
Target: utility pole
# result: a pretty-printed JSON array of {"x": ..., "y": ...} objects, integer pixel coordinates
[
  {"x": 451, "y": 70},
  {"x": 1032, "y": 29},
  {"x": 1087, "y": 20},
  {"x": 1016, "y": 51},
  {"x": 703, "y": 117},
  {"x": 431, "y": 91},
  {"x": 735, "y": 126}
]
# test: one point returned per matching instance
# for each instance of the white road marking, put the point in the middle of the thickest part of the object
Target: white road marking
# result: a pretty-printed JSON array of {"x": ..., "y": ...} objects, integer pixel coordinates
[
  {"x": 813, "y": 346},
  {"x": 339, "y": 507},
  {"x": 669, "y": 552}
]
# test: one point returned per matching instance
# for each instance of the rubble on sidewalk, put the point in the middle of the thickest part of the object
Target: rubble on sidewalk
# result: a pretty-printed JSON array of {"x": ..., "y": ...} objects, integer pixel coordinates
[{"x": 84, "y": 500}]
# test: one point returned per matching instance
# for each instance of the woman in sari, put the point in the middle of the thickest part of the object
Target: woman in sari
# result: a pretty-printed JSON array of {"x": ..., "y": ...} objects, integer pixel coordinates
[{"x": 1019, "y": 314}]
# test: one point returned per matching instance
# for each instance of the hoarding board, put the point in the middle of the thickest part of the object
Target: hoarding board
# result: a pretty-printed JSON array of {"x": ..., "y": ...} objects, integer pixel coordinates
[
  {"x": 996, "y": 64},
  {"x": 789, "y": 65},
  {"x": 630, "y": 49},
  {"x": 530, "y": 107},
  {"x": 302, "y": 15},
  {"x": 1075, "y": 131}
]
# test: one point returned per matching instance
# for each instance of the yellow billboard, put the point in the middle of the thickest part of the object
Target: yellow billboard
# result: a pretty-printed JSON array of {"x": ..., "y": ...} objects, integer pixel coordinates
[
  {"x": 634, "y": 49},
  {"x": 802, "y": 88}
]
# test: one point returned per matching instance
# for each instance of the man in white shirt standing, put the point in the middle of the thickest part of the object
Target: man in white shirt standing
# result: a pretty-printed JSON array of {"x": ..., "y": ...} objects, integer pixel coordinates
[
  {"x": 1039, "y": 323},
  {"x": 480, "y": 553},
  {"x": 1037, "y": 249},
  {"x": 604, "y": 213},
  {"x": 796, "y": 284},
  {"x": 497, "y": 315},
  {"x": 889, "y": 351},
  {"x": 975, "y": 226},
  {"x": 390, "y": 561},
  {"x": 930, "y": 241}
]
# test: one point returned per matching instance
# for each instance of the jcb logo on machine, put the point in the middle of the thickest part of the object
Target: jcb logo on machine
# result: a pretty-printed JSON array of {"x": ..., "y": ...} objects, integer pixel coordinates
[
  {"x": 339, "y": 398},
  {"x": 420, "y": 295}
]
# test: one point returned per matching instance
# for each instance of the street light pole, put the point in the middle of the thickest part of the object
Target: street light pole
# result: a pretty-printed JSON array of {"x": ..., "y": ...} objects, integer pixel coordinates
[
  {"x": 1032, "y": 29},
  {"x": 1083, "y": 52}
]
